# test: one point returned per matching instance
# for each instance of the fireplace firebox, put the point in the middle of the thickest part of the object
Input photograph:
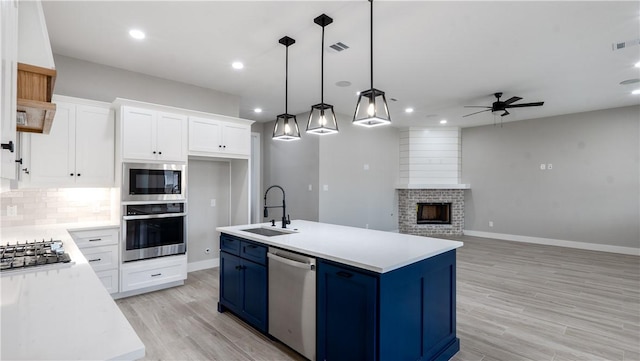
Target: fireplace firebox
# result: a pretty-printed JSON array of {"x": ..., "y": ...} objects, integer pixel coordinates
[{"x": 434, "y": 213}]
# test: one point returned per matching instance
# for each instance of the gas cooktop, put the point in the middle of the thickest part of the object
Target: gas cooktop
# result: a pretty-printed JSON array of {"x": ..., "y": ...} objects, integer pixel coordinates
[{"x": 33, "y": 254}]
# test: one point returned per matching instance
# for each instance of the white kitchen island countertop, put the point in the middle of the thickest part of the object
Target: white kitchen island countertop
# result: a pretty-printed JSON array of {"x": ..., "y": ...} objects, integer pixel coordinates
[
  {"x": 61, "y": 313},
  {"x": 376, "y": 251}
]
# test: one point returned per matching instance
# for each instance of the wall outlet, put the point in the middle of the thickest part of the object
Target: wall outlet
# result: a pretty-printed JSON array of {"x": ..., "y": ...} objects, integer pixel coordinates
[
  {"x": 213, "y": 202},
  {"x": 490, "y": 223},
  {"x": 543, "y": 166},
  {"x": 207, "y": 250},
  {"x": 325, "y": 187},
  {"x": 12, "y": 211},
  {"x": 310, "y": 187},
  {"x": 366, "y": 167},
  {"x": 549, "y": 166}
]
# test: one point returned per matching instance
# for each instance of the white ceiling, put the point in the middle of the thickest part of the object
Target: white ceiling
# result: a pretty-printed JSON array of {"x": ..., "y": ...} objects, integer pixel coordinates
[{"x": 434, "y": 56}]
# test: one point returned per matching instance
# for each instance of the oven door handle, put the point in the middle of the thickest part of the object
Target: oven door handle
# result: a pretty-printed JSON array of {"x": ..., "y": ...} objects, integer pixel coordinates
[{"x": 152, "y": 216}]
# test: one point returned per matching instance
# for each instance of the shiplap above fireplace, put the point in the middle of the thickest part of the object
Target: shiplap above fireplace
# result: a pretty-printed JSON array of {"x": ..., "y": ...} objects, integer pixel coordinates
[{"x": 430, "y": 158}]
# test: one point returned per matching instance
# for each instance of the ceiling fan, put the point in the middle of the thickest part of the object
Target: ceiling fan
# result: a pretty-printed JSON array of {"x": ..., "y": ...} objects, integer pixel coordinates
[{"x": 498, "y": 105}]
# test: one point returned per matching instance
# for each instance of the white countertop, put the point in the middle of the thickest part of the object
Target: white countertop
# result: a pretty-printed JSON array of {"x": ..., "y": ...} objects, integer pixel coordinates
[
  {"x": 61, "y": 313},
  {"x": 372, "y": 250}
]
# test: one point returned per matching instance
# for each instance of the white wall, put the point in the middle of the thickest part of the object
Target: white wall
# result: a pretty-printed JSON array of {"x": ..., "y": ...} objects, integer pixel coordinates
[
  {"x": 357, "y": 196},
  {"x": 83, "y": 79},
  {"x": 591, "y": 194}
]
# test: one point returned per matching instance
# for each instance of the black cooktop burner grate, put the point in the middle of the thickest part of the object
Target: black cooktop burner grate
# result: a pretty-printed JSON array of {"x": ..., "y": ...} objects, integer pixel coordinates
[{"x": 32, "y": 254}]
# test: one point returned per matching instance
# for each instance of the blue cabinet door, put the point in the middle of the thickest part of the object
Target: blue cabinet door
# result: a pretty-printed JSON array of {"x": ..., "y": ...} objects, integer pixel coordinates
[
  {"x": 346, "y": 314},
  {"x": 230, "y": 282},
  {"x": 254, "y": 308}
]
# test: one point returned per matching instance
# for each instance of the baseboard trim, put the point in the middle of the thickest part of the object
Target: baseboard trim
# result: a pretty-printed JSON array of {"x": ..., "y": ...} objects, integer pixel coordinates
[
  {"x": 200, "y": 265},
  {"x": 556, "y": 242}
]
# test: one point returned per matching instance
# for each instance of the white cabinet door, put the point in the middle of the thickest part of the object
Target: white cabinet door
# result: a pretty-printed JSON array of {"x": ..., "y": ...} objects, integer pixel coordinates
[
  {"x": 237, "y": 139},
  {"x": 52, "y": 156},
  {"x": 95, "y": 131},
  {"x": 8, "y": 84},
  {"x": 205, "y": 135},
  {"x": 79, "y": 150},
  {"x": 171, "y": 143},
  {"x": 138, "y": 133}
]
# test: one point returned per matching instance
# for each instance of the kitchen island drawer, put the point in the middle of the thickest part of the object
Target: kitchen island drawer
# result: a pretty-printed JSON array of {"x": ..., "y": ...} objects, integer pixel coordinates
[
  {"x": 95, "y": 237},
  {"x": 102, "y": 258},
  {"x": 157, "y": 271},
  {"x": 230, "y": 244},
  {"x": 253, "y": 252}
]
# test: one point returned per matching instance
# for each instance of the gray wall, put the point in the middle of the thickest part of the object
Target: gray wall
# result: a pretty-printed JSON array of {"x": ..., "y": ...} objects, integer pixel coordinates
[
  {"x": 206, "y": 180},
  {"x": 591, "y": 195},
  {"x": 294, "y": 166},
  {"x": 355, "y": 196},
  {"x": 83, "y": 79},
  {"x": 359, "y": 197}
]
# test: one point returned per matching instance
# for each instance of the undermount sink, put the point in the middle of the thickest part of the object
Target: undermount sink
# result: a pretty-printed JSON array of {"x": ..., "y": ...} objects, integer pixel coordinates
[{"x": 270, "y": 231}]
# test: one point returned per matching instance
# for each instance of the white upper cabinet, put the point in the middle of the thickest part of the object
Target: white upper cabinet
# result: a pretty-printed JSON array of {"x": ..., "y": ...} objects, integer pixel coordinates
[
  {"x": 219, "y": 137},
  {"x": 8, "y": 86},
  {"x": 151, "y": 135},
  {"x": 79, "y": 151}
]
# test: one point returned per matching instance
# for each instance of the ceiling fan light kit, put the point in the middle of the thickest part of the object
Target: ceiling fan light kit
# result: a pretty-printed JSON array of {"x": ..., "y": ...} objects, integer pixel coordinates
[
  {"x": 322, "y": 118},
  {"x": 371, "y": 109},
  {"x": 286, "y": 126}
]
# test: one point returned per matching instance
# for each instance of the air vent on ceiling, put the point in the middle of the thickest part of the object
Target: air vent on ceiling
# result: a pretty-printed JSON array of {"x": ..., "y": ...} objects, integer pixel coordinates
[
  {"x": 339, "y": 46},
  {"x": 625, "y": 44}
]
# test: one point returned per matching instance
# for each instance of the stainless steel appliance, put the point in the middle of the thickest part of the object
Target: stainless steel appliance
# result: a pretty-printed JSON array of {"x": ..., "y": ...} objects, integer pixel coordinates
[
  {"x": 292, "y": 300},
  {"x": 153, "y": 230},
  {"x": 33, "y": 254},
  {"x": 153, "y": 182}
]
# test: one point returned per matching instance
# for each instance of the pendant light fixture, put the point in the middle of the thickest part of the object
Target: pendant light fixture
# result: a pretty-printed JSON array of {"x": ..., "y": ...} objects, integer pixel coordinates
[
  {"x": 372, "y": 109},
  {"x": 286, "y": 127},
  {"x": 322, "y": 118}
]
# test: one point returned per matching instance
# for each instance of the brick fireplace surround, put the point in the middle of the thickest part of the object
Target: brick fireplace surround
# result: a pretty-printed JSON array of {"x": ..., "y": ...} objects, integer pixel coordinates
[{"x": 407, "y": 213}]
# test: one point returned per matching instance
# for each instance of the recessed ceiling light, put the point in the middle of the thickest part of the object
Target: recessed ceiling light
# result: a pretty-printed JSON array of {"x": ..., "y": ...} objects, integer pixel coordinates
[
  {"x": 443, "y": 121},
  {"x": 137, "y": 34},
  {"x": 237, "y": 65},
  {"x": 636, "y": 92},
  {"x": 257, "y": 110},
  {"x": 408, "y": 110},
  {"x": 343, "y": 83}
]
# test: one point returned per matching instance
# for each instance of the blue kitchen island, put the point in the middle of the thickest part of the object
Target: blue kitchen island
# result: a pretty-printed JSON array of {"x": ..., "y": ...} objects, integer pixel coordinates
[{"x": 380, "y": 295}]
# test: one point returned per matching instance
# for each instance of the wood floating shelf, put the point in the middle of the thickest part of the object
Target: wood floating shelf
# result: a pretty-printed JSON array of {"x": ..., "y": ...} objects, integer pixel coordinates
[{"x": 35, "y": 89}]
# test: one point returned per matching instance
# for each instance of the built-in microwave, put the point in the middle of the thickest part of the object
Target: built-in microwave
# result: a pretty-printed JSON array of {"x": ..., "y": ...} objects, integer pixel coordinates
[{"x": 153, "y": 182}]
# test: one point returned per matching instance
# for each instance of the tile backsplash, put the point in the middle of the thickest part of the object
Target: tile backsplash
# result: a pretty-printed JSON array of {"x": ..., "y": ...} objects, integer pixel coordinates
[{"x": 40, "y": 206}]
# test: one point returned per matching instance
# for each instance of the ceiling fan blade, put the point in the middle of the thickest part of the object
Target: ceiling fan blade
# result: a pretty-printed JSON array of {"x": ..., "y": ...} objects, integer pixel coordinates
[
  {"x": 486, "y": 110},
  {"x": 477, "y": 106},
  {"x": 506, "y": 112},
  {"x": 524, "y": 105},
  {"x": 512, "y": 99}
]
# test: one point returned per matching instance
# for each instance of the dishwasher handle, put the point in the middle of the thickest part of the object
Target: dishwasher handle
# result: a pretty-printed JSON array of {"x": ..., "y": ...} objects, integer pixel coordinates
[{"x": 291, "y": 262}]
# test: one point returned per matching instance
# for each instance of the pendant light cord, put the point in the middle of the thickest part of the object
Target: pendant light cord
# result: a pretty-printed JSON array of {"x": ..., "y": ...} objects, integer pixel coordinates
[
  {"x": 322, "y": 69},
  {"x": 286, "y": 81},
  {"x": 371, "y": 27}
]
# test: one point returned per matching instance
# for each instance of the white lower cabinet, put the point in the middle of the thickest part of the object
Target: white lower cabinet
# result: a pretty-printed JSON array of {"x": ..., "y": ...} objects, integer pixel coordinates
[
  {"x": 100, "y": 247},
  {"x": 153, "y": 272}
]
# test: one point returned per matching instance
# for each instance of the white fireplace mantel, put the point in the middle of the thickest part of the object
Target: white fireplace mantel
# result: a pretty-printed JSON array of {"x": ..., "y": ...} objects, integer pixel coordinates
[{"x": 432, "y": 186}]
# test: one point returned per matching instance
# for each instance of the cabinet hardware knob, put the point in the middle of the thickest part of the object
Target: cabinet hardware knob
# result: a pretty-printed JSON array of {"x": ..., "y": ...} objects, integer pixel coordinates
[
  {"x": 344, "y": 274},
  {"x": 71, "y": 174},
  {"x": 26, "y": 170},
  {"x": 79, "y": 174},
  {"x": 8, "y": 146},
  {"x": 224, "y": 146},
  {"x": 159, "y": 152},
  {"x": 219, "y": 145},
  {"x": 154, "y": 152},
  {"x": 19, "y": 161}
]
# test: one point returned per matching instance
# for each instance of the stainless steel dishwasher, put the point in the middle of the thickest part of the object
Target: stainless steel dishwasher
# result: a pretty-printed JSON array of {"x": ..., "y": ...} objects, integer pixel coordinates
[{"x": 292, "y": 300}]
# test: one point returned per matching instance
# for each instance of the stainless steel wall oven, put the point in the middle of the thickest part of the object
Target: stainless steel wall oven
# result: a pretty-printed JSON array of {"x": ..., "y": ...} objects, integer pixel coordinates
[
  {"x": 153, "y": 230},
  {"x": 153, "y": 182}
]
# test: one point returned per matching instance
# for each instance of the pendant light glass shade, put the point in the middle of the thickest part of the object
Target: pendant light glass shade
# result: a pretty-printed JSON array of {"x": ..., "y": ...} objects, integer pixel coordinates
[
  {"x": 322, "y": 118},
  {"x": 372, "y": 109},
  {"x": 286, "y": 126}
]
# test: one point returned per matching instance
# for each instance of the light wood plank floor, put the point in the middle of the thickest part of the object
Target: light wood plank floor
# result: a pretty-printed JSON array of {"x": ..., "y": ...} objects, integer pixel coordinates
[{"x": 515, "y": 301}]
